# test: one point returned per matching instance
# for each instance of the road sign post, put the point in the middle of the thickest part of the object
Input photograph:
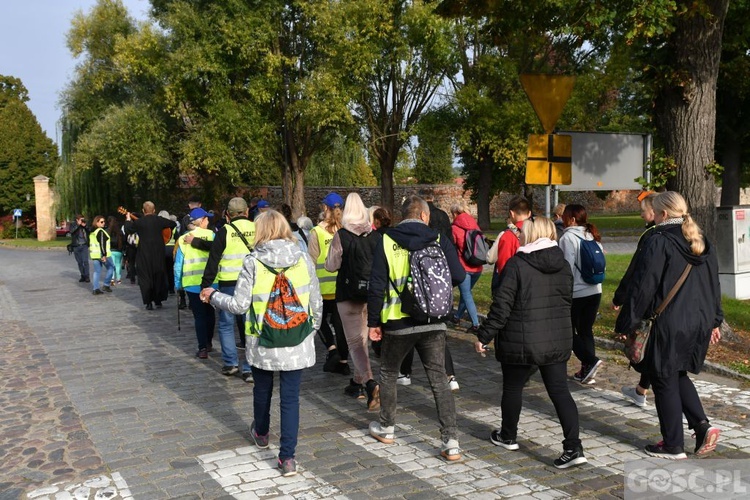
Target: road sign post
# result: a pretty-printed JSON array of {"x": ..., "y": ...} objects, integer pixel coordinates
[{"x": 17, "y": 218}]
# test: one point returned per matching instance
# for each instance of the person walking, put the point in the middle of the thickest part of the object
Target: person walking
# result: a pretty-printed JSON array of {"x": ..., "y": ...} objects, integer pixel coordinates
[
  {"x": 462, "y": 223},
  {"x": 152, "y": 276},
  {"x": 318, "y": 246},
  {"x": 101, "y": 256},
  {"x": 189, "y": 264},
  {"x": 117, "y": 245},
  {"x": 586, "y": 296},
  {"x": 233, "y": 242},
  {"x": 533, "y": 329},
  {"x": 276, "y": 250},
  {"x": 350, "y": 252},
  {"x": 79, "y": 236},
  {"x": 637, "y": 394},
  {"x": 400, "y": 332},
  {"x": 681, "y": 334},
  {"x": 508, "y": 241}
]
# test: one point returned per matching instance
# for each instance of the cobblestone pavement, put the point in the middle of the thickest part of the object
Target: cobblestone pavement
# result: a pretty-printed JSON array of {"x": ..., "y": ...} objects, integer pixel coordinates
[{"x": 102, "y": 399}]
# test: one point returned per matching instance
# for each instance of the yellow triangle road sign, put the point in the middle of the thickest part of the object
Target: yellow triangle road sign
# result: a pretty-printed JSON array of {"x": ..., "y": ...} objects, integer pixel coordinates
[{"x": 548, "y": 95}]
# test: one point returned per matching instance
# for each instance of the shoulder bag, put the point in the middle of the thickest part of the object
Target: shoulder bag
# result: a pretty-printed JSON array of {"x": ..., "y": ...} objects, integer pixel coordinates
[{"x": 637, "y": 342}]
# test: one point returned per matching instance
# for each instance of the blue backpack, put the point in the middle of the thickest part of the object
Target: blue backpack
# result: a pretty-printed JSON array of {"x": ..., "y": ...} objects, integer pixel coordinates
[{"x": 592, "y": 261}]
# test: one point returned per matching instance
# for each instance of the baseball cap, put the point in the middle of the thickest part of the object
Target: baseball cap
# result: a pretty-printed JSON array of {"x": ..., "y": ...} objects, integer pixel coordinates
[
  {"x": 332, "y": 200},
  {"x": 262, "y": 204},
  {"x": 237, "y": 205},
  {"x": 199, "y": 213}
]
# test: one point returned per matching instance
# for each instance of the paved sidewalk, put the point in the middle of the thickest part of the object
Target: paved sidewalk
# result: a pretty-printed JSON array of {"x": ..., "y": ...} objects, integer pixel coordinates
[{"x": 100, "y": 397}]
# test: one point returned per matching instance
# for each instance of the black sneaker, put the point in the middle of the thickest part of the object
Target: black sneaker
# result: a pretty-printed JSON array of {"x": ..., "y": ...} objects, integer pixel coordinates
[
  {"x": 107, "y": 289},
  {"x": 229, "y": 370},
  {"x": 570, "y": 458},
  {"x": 354, "y": 390},
  {"x": 97, "y": 292},
  {"x": 473, "y": 329},
  {"x": 706, "y": 437},
  {"x": 247, "y": 377},
  {"x": 589, "y": 372},
  {"x": 660, "y": 450},
  {"x": 343, "y": 369},
  {"x": 158, "y": 305},
  {"x": 332, "y": 359},
  {"x": 82, "y": 280},
  {"x": 508, "y": 444}
]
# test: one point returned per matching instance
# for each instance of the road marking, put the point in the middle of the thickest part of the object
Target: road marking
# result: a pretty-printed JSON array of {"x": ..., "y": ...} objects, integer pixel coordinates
[
  {"x": 250, "y": 473},
  {"x": 100, "y": 487}
]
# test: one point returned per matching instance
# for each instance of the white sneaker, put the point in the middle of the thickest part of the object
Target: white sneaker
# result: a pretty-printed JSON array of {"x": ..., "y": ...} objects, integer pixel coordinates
[
  {"x": 383, "y": 434},
  {"x": 403, "y": 379},
  {"x": 453, "y": 383},
  {"x": 632, "y": 394}
]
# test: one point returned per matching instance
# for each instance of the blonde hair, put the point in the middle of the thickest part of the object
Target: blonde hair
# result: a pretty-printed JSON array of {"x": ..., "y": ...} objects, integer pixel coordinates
[
  {"x": 149, "y": 207},
  {"x": 559, "y": 209},
  {"x": 371, "y": 211},
  {"x": 675, "y": 206},
  {"x": 458, "y": 207},
  {"x": 331, "y": 218},
  {"x": 536, "y": 229},
  {"x": 271, "y": 225},
  {"x": 355, "y": 211}
]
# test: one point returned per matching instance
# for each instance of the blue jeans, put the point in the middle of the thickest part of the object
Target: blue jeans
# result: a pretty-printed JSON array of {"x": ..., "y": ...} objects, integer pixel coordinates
[
  {"x": 205, "y": 319},
  {"x": 81, "y": 253},
  {"x": 226, "y": 334},
  {"x": 466, "y": 302},
  {"x": 431, "y": 349},
  {"x": 289, "y": 384},
  {"x": 98, "y": 272}
]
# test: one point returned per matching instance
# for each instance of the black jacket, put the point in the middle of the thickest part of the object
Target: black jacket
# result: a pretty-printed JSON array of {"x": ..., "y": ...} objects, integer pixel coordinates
[
  {"x": 622, "y": 289},
  {"x": 681, "y": 334},
  {"x": 412, "y": 235},
  {"x": 439, "y": 221},
  {"x": 530, "y": 313}
]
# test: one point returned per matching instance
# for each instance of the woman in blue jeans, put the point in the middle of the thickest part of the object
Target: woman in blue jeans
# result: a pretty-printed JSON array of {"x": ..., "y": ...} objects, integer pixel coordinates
[
  {"x": 276, "y": 251},
  {"x": 463, "y": 222}
]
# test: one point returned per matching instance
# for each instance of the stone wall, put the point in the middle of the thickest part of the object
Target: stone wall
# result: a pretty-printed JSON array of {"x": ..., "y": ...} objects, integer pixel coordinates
[{"x": 448, "y": 194}]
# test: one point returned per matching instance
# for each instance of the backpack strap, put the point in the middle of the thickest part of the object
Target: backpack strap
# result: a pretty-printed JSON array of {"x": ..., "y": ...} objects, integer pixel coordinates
[
  {"x": 242, "y": 237},
  {"x": 302, "y": 235},
  {"x": 270, "y": 269}
]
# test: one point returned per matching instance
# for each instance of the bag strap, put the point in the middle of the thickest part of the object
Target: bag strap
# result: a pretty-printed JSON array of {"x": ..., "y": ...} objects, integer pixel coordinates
[
  {"x": 242, "y": 237},
  {"x": 673, "y": 291}
]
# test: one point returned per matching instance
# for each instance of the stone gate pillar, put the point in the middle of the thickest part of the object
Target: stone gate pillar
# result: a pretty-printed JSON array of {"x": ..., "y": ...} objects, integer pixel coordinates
[{"x": 45, "y": 217}]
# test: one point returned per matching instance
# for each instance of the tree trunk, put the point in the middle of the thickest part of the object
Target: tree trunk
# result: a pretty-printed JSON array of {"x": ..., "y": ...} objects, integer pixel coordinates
[
  {"x": 484, "y": 195},
  {"x": 685, "y": 111},
  {"x": 298, "y": 197},
  {"x": 731, "y": 160}
]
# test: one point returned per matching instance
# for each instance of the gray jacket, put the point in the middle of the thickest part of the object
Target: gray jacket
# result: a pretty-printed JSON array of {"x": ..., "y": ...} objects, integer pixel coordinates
[{"x": 276, "y": 254}]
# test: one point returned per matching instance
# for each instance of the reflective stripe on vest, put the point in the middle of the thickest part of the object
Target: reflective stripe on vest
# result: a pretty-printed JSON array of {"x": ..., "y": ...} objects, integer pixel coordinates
[
  {"x": 235, "y": 250},
  {"x": 194, "y": 260},
  {"x": 327, "y": 279},
  {"x": 397, "y": 258},
  {"x": 262, "y": 285},
  {"x": 95, "y": 252}
]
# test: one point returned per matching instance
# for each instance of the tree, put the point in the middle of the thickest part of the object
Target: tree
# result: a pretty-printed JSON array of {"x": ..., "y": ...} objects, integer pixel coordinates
[
  {"x": 434, "y": 155},
  {"x": 25, "y": 150},
  {"x": 398, "y": 54}
]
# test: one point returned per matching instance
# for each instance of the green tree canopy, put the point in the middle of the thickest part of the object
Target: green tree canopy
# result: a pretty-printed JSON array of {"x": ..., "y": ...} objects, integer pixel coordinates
[{"x": 25, "y": 150}]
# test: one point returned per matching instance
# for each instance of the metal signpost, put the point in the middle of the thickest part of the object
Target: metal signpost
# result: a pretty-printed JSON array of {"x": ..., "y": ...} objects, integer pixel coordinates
[{"x": 16, "y": 218}]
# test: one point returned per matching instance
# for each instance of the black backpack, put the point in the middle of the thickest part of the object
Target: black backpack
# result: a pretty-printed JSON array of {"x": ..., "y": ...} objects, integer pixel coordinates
[
  {"x": 353, "y": 279},
  {"x": 475, "y": 248}
]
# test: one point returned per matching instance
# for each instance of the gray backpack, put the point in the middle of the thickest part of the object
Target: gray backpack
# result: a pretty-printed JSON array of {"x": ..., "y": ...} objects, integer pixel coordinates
[{"x": 427, "y": 296}]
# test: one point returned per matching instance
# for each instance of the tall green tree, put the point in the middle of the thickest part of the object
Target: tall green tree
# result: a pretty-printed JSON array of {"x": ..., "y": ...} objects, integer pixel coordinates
[
  {"x": 398, "y": 54},
  {"x": 25, "y": 150},
  {"x": 434, "y": 155}
]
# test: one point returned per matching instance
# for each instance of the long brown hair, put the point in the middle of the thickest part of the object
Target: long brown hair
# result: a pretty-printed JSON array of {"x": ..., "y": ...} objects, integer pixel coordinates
[{"x": 575, "y": 215}]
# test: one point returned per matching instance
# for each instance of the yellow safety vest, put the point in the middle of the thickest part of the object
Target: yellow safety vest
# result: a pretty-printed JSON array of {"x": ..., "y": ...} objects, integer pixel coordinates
[
  {"x": 235, "y": 250},
  {"x": 194, "y": 260},
  {"x": 397, "y": 258},
  {"x": 327, "y": 279},
  {"x": 94, "y": 251},
  {"x": 262, "y": 285},
  {"x": 172, "y": 238}
]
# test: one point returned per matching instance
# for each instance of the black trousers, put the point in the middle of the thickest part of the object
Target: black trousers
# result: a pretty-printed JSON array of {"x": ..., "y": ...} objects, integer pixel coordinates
[
  {"x": 675, "y": 395},
  {"x": 555, "y": 379},
  {"x": 336, "y": 336},
  {"x": 582, "y": 315}
]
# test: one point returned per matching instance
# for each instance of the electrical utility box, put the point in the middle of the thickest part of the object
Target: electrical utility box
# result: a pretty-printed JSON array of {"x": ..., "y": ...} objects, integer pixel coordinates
[{"x": 733, "y": 250}]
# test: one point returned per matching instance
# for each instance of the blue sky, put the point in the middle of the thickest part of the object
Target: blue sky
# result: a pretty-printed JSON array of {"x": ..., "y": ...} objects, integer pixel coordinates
[{"x": 32, "y": 37}]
